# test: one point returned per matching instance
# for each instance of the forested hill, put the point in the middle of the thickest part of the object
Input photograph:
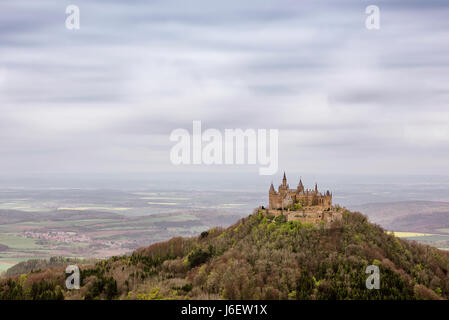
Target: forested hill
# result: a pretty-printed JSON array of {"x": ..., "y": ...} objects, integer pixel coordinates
[
  {"x": 37, "y": 265},
  {"x": 259, "y": 257}
]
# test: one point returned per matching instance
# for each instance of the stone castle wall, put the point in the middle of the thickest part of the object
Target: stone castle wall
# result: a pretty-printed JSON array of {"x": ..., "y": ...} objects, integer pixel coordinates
[{"x": 308, "y": 215}]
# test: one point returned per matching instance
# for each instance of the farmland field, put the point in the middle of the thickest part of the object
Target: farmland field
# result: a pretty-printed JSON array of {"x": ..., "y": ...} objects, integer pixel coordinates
[{"x": 79, "y": 223}]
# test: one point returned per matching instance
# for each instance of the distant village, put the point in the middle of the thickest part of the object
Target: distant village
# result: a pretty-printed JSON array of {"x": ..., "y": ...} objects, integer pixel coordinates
[{"x": 73, "y": 237}]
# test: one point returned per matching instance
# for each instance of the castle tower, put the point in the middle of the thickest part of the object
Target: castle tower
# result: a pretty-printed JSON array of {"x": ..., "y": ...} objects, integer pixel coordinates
[
  {"x": 316, "y": 188},
  {"x": 300, "y": 186},
  {"x": 283, "y": 188},
  {"x": 273, "y": 198}
]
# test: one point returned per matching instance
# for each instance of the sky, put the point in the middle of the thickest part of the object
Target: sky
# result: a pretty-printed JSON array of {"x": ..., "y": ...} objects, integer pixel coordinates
[{"x": 104, "y": 99}]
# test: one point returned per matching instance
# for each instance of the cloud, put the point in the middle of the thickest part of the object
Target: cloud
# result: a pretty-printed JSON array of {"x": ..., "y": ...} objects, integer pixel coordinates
[{"x": 106, "y": 97}]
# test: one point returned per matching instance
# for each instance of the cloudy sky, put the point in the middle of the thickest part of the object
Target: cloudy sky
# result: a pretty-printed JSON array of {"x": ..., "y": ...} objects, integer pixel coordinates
[{"x": 104, "y": 99}]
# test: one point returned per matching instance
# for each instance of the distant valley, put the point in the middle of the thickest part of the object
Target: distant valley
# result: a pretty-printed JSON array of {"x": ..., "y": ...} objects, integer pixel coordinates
[
  {"x": 429, "y": 220},
  {"x": 104, "y": 223},
  {"x": 85, "y": 223}
]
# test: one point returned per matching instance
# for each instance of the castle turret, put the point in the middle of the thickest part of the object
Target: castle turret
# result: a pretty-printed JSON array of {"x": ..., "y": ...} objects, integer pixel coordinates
[
  {"x": 272, "y": 189},
  {"x": 284, "y": 187},
  {"x": 316, "y": 188},
  {"x": 300, "y": 186}
]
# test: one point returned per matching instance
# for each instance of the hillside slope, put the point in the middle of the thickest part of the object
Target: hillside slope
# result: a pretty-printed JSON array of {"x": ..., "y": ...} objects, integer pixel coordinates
[{"x": 259, "y": 257}]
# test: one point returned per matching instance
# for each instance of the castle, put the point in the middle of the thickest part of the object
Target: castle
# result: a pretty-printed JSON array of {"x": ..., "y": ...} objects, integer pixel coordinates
[
  {"x": 300, "y": 204},
  {"x": 286, "y": 198}
]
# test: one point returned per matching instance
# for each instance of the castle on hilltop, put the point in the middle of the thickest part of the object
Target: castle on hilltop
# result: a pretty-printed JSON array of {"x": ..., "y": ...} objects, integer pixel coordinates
[
  {"x": 286, "y": 198},
  {"x": 303, "y": 205}
]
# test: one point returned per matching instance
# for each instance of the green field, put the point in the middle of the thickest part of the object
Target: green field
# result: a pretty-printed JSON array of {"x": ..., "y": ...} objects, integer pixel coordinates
[{"x": 14, "y": 241}]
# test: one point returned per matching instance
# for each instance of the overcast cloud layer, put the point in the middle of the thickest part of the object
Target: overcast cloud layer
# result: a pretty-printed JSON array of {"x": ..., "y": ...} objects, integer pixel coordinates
[{"x": 106, "y": 97}]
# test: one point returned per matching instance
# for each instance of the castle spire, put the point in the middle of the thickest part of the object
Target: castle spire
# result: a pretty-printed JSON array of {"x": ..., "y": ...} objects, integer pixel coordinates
[
  {"x": 300, "y": 186},
  {"x": 272, "y": 188},
  {"x": 316, "y": 188},
  {"x": 284, "y": 180}
]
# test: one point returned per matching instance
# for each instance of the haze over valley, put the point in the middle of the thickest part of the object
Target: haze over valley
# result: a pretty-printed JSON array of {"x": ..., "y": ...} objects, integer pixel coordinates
[{"x": 70, "y": 220}]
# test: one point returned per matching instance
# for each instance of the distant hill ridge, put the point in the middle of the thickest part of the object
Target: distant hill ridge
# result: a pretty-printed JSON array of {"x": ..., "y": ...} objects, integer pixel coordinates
[
  {"x": 410, "y": 216},
  {"x": 259, "y": 257},
  {"x": 36, "y": 265}
]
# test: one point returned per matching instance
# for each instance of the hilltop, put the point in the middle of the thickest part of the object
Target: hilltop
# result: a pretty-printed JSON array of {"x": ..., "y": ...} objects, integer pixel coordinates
[{"x": 259, "y": 257}]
